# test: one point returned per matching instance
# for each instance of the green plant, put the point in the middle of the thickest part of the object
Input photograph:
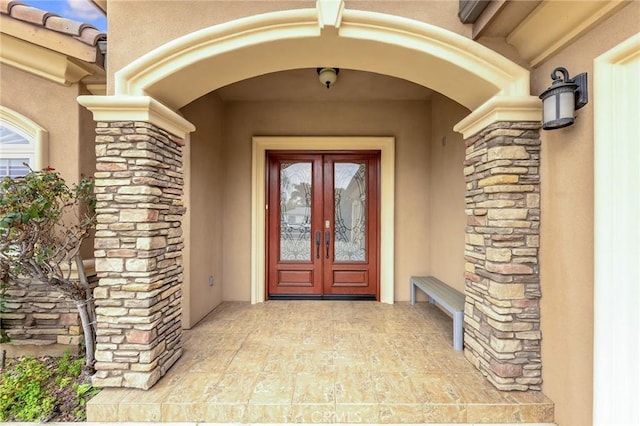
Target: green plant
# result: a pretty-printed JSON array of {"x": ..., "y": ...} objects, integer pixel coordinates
[
  {"x": 43, "y": 223},
  {"x": 39, "y": 389},
  {"x": 23, "y": 395},
  {"x": 67, "y": 366},
  {"x": 85, "y": 391}
]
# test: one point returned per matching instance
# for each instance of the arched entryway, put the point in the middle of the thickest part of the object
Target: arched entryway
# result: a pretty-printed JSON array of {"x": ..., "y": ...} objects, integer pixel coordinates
[{"x": 140, "y": 179}]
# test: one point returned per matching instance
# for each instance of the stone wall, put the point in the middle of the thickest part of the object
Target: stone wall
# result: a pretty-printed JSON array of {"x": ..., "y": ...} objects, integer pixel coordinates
[
  {"x": 138, "y": 250},
  {"x": 502, "y": 313},
  {"x": 36, "y": 315}
]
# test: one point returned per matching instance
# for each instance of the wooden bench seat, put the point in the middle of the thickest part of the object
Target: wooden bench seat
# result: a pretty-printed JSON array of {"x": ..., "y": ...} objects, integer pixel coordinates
[{"x": 447, "y": 298}]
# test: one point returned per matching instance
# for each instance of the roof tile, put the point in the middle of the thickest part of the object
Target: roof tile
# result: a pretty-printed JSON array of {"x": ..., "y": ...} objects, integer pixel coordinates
[
  {"x": 30, "y": 14},
  {"x": 63, "y": 25},
  {"x": 91, "y": 36},
  {"x": 85, "y": 33},
  {"x": 6, "y": 5}
]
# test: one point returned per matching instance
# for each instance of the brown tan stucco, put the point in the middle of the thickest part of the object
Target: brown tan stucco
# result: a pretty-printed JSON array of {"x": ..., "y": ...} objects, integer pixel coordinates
[
  {"x": 566, "y": 175},
  {"x": 423, "y": 166},
  {"x": 204, "y": 168},
  {"x": 69, "y": 126},
  {"x": 408, "y": 121},
  {"x": 447, "y": 202},
  {"x": 58, "y": 113},
  {"x": 566, "y": 261},
  {"x": 177, "y": 18}
]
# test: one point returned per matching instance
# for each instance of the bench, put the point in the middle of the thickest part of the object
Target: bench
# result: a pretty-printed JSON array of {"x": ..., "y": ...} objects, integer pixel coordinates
[{"x": 448, "y": 298}]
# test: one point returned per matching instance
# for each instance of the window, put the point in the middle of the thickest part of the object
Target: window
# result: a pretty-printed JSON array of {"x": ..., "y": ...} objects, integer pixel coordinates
[{"x": 21, "y": 142}]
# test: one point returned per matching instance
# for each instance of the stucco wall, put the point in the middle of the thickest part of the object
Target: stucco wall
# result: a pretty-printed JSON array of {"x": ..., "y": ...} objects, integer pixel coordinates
[
  {"x": 203, "y": 256},
  {"x": 177, "y": 18},
  {"x": 408, "y": 121},
  {"x": 57, "y": 112},
  {"x": 566, "y": 263},
  {"x": 447, "y": 202},
  {"x": 70, "y": 127}
]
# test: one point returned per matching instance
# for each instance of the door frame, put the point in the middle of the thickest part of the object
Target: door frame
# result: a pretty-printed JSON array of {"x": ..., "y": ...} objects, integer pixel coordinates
[
  {"x": 616, "y": 251},
  {"x": 262, "y": 144},
  {"x": 322, "y": 207}
]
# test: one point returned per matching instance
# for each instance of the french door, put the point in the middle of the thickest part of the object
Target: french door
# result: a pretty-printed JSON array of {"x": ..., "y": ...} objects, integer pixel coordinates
[{"x": 323, "y": 225}]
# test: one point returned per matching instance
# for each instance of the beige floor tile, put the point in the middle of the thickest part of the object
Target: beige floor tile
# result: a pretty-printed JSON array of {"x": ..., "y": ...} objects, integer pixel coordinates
[
  {"x": 104, "y": 406},
  {"x": 313, "y": 388},
  {"x": 475, "y": 389},
  {"x": 445, "y": 413},
  {"x": 313, "y": 413},
  {"x": 280, "y": 360},
  {"x": 269, "y": 413},
  {"x": 351, "y": 359},
  {"x": 225, "y": 413},
  {"x": 385, "y": 360},
  {"x": 192, "y": 387},
  {"x": 248, "y": 361},
  {"x": 401, "y": 413},
  {"x": 107, "y": 412},
  {"x": 346, "y": 340},
  {"x": 215, "y": 361},
  {"x": 357, "y": 413},
  {"x": 354, "y": 387},
  {"x": 315, "y": 339},
  {"x": 329, "y": 362},
  {"x": 139, "y": 412},
  {"x": 228, "y": 341},
  {"x": 393, "y": 388},
  {"x": 434, "y": 388},
  {"x": 184, "y": 412},
  {"x": 272, "y": 388},
  {"x": 310, "y": 360},
  {"x": 232, "y": 388},
  {"x": 485, "y": 413}
]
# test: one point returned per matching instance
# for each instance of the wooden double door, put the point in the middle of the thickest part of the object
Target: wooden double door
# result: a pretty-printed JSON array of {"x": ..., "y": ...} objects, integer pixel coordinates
[{"x": 323, "y": 225}]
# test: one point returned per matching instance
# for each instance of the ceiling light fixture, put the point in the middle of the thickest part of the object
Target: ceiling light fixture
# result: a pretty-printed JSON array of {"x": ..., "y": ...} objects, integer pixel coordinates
[{"x": 328, "y": 75}]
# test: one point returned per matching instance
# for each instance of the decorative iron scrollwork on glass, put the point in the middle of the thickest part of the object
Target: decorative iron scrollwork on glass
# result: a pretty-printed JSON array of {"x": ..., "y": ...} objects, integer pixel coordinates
[
  {"x": 295, "y": 211},
  {"x": 350, "y": 211}
]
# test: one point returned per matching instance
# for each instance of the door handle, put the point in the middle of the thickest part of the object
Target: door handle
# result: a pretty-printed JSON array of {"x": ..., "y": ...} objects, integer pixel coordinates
[
  {"x": 317, "y": 244},
  {"x": 327, "y": 242}
]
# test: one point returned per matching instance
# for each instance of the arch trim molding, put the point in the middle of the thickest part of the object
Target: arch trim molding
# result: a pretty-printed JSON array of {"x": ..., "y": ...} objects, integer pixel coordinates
[{"x": 179, "y": 71}]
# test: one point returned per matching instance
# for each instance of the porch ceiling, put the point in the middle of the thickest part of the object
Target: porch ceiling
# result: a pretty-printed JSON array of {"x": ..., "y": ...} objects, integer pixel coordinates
[{"x": 303, "y": 85}]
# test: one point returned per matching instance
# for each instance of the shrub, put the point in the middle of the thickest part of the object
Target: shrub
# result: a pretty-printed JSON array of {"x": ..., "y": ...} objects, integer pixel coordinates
[
  {"x": 23, "y": 395},
  {"x": 44, "y": 389},
  {"x": 43, "y": 223}
]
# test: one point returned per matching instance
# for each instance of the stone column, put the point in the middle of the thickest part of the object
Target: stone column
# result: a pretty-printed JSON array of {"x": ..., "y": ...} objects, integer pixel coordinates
[
  {"x": 502, "y": 313},
  {"x": 138, "y": 250}
]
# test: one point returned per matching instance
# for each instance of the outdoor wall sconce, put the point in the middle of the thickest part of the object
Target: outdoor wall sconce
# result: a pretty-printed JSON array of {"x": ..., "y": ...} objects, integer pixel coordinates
[
  {"x": 327, "y": 75},
  {"x": 564, "y": 97}
]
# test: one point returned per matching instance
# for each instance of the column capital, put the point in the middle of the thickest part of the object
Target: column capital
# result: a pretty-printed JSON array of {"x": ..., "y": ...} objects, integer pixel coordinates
[
  {"x": 500, "y": 108},
  {"x": 137, "y": 108}
]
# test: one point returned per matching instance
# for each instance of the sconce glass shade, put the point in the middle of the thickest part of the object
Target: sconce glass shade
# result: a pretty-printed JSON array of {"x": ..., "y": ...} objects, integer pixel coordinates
[
  {"x": 327, "y": 75},
  {"x": 562, "y": 99},
  {"x": 558, "y": 106}
]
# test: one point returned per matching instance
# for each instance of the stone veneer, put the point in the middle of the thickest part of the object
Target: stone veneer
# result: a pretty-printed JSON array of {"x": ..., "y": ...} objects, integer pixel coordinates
[
  {"x": 139, "y": 242},
  {"x": 35, "y": 314},
  {"x": 502, "y": 313},
  {"x": 138, "y": 250}
]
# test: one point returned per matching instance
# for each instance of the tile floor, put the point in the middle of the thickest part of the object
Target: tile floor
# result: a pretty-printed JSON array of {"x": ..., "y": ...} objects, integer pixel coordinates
[{"x": 322, "y": 362}]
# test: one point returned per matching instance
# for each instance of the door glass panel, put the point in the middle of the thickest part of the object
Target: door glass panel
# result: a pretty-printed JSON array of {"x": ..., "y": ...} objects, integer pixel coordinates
[
  {"x": 295, "y": 211},
  {"x": 350, "y": 195}
]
